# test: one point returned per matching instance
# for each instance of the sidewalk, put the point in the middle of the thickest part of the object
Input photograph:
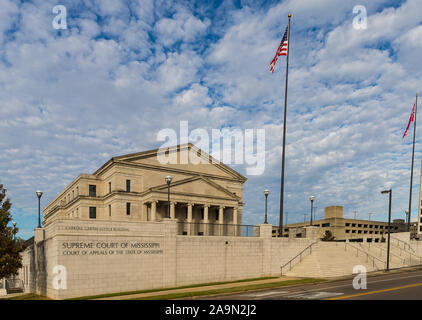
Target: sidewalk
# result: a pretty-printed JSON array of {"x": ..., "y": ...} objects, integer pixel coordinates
[
  {"x": 12, "y": 295},
  {"x": 198, "y": 289}
]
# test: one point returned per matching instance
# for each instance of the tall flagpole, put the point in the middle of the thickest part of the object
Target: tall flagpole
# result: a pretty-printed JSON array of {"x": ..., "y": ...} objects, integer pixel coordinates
[
  {"x": 413, "y": 159},
  {"x": 284, "y": 131}
]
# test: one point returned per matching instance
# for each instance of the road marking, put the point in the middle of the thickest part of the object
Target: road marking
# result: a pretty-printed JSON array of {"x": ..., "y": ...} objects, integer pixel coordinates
[
  {"x": 314, "y": 295},
  {"x": 265, "y": 294},
  {"x": 370, "y": 282},
  {"x": 376, "y": 291}
]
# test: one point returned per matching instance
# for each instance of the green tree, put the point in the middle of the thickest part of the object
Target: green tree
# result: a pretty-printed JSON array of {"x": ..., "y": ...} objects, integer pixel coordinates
[
  {"x": 10, "y": 246},
  {"x": 328, "y": 236}
]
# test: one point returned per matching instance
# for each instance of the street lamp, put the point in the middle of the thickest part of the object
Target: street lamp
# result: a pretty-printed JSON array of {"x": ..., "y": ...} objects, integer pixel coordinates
[
  {"x": 39, "y": 194},
  {"x": 312, "y": 198},
  {"x": 389, "y": 221},
  {"x": 266, "y": 192},
  {"x": 14, "y": 227},
  {"x": 168, "y": 180}
]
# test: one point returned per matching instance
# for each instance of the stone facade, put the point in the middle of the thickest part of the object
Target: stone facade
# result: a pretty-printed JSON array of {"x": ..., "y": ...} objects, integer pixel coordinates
[
  {"x": 133, "y": 188},
  {"x": 71, "y": 258}
]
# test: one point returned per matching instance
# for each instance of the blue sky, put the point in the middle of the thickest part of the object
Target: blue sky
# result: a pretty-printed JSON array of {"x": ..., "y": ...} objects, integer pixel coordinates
[{"x": 123, "y": 70}]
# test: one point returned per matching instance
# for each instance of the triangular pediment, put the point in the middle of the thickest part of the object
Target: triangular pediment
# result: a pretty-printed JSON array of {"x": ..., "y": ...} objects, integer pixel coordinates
[
  {"x": 205, "y": 164},
  {"x": 198, "y": 186}
]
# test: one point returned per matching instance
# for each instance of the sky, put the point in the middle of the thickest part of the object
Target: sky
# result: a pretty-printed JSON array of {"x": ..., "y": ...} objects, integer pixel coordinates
[{"x": 72, "y": 98}]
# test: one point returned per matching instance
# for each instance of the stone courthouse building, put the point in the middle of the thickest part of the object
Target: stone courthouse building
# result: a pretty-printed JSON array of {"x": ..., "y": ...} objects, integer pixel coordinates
[
  {"x": 133, "y": 188},
  {"x": 109, "y": 232}
]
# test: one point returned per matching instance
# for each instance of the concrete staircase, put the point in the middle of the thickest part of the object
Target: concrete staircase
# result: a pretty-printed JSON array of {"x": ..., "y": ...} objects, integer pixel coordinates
[{"x": 332, "y": 259}]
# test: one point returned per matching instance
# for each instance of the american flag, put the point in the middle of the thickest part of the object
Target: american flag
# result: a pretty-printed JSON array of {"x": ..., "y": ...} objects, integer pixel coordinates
[{"x": 281, "y": 51}]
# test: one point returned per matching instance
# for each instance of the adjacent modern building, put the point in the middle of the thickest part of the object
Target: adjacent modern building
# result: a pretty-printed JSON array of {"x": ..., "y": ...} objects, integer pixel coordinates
[{"x": 342, "y": 228}]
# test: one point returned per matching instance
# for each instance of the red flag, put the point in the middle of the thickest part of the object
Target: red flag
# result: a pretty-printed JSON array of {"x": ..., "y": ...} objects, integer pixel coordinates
[
  {"x": 281, "y": 51},
  {"x": 412, "y": 118}
]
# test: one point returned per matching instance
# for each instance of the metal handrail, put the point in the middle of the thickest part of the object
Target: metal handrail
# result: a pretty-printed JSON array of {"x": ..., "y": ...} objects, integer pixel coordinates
[
  {"x": 404, "y": 243},
  {"x": 223, "y": 229},
  {"x": 298, "y": 255},
  {"x": 14, "y": 284},
  {"x": 367, "y": 254},
  {"x": 391, "y": 253}
]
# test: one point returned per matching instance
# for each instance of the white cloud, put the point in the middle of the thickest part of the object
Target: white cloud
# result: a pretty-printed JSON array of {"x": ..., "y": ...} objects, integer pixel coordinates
[{"x": 69, "y": 101}]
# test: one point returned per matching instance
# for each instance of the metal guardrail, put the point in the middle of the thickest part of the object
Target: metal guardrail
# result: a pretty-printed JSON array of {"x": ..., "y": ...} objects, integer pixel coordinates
[
  {"x": 405, "y": 244},
  {"x": 392, "y": 254},
  {"x": 368, "y": 256},
  {"x": 14, "y": 284},
  {"x": 216, "y": 229},
  {"x": 289, "y": 263}
]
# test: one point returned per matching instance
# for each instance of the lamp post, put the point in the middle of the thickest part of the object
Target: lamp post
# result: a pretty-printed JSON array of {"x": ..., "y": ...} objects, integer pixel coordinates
[
  {"x": 389, "y": 221},
  {"x": 312, "y": 198},
  {"x": 168, "y": 180},
  {"x": 266, "y": 192},
  {"x": 14, "y": 227},
  {"x": 39, "y": 194}
]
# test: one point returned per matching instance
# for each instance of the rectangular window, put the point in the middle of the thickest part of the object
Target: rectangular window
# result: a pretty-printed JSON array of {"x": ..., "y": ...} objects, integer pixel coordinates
[
  {"x": 347, "y": 224},
  {"x": 92, "y": 190},
  {"x": 347, "y": 231},
  {"x": 360, "y": 225},
  {"x": 109, "y": 187},
  {"x": 202, "y": 213},
  {"x": 216, "y": 215},
  {"x": 92, "y": 212},
  {"x": 128, "y": 208},
  {"x": 353, "y": 224},
  {"x": 127, "y": 185},
  {"x": 109, "y": 210}
]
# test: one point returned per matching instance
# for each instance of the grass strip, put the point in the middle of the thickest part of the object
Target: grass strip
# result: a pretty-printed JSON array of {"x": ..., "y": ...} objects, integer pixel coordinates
[
  {"x": 116, "y": 294},
  {"x": 29, "y": 296}
]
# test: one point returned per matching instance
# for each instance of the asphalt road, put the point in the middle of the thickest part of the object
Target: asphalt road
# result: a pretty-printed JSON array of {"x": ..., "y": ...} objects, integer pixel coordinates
[{"x": 394, "y": 285}]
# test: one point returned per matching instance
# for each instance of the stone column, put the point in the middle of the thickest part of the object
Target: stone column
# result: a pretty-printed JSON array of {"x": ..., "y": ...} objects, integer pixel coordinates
[
  {"x": 153, "y": 210},
  {"x": 220, "y": 220},
  {"x": 206, "y": 220},
  {"x": 235, "y": 221},
  {"x": 189, "y": 224},
  {"x": 265, "y": 233},
  {"x": 172, "y": 212}
]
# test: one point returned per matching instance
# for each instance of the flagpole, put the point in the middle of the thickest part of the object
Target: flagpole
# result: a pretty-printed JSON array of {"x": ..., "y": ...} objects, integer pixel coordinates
[
  {"x": 413, "y": 159},
  {"x": 284, "y": 131}
]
